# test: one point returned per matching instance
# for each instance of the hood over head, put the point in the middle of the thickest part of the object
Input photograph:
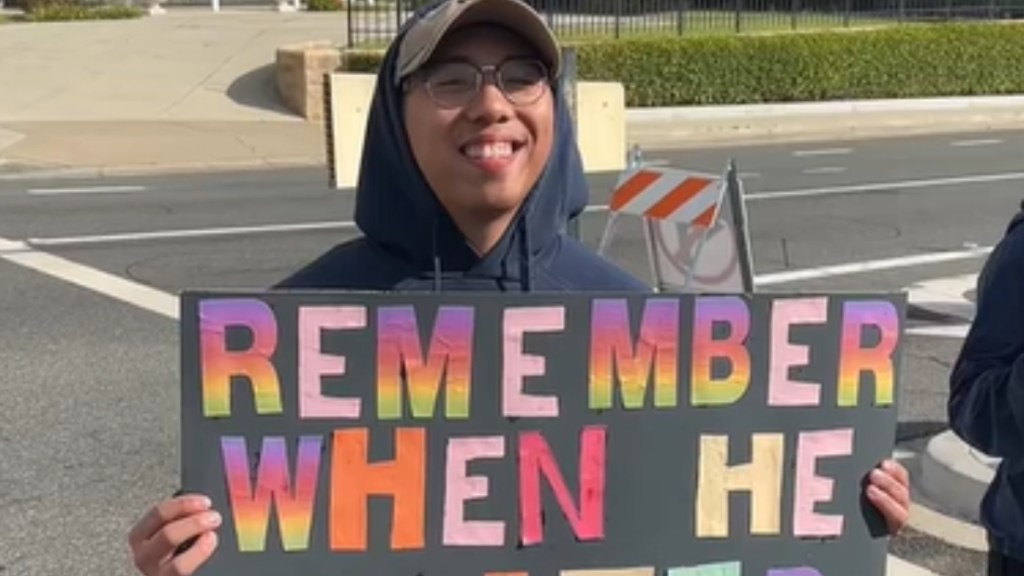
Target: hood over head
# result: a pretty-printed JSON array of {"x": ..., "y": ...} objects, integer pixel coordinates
[{"x": 396, "y": 208}]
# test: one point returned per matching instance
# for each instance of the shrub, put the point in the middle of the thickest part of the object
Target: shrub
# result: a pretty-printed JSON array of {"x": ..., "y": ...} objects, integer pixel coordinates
[
  {"x": 893, "y": 62},
  {"x": 62, "y": 10},
  {"x": 324, "y": 5},
  {"x": 897, "y": 62}
]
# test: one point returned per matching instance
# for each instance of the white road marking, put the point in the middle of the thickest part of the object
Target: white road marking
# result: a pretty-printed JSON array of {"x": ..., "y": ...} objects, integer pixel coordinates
[
  {"x": 822, "y": 152},
  {"x": 885, "y": 186},
  {"x": 90, "y": 278},
  {"x": 86, "y": 190},
  {"x": 826, "y": 170},
  {"x": 193, "y": 233},
  {"x": 849, "y": 268},
  {"x": 980, "y": 142},
  {"x": 953, "y": 331}
]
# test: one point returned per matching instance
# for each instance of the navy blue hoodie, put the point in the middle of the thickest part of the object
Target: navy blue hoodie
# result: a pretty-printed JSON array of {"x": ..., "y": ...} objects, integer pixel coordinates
[
  {"x": 986, "y": 402},
  {"x": 410, "y": 243}
]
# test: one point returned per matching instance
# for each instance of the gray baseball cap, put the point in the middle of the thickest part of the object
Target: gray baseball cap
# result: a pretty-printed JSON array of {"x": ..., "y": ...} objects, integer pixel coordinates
[{"x": 424, "y": 36}]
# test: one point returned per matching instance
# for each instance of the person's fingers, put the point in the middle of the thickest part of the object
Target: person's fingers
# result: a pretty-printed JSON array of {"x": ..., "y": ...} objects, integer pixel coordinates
[
  {"x": 898, "y": 471},
  {"x": 896, "y": 514},
  {"x": 163, "y": 544},
  {"x": 893, "y": 485},
  {"x": 166, "y": 511},
  {"x": 187, "y": 563}
]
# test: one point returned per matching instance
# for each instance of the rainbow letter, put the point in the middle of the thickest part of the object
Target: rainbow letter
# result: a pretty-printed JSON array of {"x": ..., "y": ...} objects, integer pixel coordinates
[
  {"x": 658, "y": 344},
  {"x": 218, "y": 365},
  {"x": 705, "y": 390},
  {"x": 273, "y": 482},
  {"x": 450, "y": 354},
  {"x": 854, "y": 359}
]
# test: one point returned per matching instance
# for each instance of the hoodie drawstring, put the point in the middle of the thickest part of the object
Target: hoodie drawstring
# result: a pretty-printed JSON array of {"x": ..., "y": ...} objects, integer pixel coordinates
[
  {"x": 437, "y": 257},
  {"x": 525, "y": 282}
]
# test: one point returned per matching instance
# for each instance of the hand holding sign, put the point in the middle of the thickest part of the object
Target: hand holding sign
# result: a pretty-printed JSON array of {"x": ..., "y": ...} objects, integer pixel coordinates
[
  {"x": 171, "y": 525},
  {"x": 889, "y": 491}
]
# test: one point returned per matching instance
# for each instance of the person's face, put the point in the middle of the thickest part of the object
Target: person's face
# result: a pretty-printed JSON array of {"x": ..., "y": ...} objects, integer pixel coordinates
[{"x": 481, "y": 155}]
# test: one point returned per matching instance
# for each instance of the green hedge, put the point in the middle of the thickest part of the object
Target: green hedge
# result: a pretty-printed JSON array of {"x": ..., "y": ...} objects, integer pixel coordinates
[{"x": 895, "y": 62}]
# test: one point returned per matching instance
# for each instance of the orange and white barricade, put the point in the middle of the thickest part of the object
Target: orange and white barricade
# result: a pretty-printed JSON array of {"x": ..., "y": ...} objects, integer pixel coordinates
[{"x": 693, "y": 225}]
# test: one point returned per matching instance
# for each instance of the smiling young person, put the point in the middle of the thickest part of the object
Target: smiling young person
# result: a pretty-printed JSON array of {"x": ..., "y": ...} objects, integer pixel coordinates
[{"x": 470, "y": 175}]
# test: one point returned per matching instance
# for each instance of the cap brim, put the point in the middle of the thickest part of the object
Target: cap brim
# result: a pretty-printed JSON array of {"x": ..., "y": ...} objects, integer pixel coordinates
[{"x": 512, "y": 14}]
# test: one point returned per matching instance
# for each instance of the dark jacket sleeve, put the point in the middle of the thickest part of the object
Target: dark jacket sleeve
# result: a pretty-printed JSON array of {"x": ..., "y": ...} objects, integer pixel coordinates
[{"x": 986, "y": 401}]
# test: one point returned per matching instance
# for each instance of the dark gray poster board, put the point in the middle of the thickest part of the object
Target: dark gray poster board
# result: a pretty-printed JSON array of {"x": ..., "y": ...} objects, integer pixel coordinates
[{"x": 541, "y": 435}]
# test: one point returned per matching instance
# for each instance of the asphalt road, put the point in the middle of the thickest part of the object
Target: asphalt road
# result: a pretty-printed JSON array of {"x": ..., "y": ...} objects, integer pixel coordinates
[{"x": 89, "y": 437}]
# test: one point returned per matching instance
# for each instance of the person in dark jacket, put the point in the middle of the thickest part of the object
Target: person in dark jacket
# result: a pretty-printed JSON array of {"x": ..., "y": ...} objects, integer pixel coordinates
[
  {"x": 986, "y": 401},
  {"x": 470, "y": 176},
  {"x": 467, "y": 191}
]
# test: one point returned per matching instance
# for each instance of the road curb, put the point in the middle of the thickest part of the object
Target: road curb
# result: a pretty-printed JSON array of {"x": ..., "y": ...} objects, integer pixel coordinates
[
  {"x": 717, "y": 126},
  {"x": 831, "y": 108},
  {"x": 956, "y": 475},
  {"x": 946, "y": 299}
]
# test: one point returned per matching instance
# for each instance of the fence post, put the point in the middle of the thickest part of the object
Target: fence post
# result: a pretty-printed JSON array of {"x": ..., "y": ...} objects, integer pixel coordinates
[
  {"x": 618, "y": 18},
  {"x": 568, "y": 88},
  {"x": 739, "y": 208},
  {"x": 739, "y": 16},
  {"x": 348, "y": 25}
]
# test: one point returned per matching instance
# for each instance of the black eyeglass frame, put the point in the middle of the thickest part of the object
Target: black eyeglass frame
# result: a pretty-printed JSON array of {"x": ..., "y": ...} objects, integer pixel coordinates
[{"x": 485, "y": 73}]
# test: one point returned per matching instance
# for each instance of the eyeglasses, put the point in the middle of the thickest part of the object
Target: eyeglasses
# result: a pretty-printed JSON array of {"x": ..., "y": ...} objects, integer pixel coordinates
[{"x": 456, "y": 84}]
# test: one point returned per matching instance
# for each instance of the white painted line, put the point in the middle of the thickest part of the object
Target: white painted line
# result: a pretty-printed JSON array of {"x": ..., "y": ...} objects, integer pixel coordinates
[
  {"x": 953, "y": 331},
  {"x": 90, "y": 278},
  {"x": 849, "y": 268},
  {"x": 822, "y": 152},
  {"x": 980, "y": 142},
  {"x": 826, "y": 170},
  {"x": 896, "y": 566},
  {"x": 86, "y": 190},
  {"x": 883, "y": 186},
  {"x": 194, "y": 233},
  {"x": 948, "y": 528}
]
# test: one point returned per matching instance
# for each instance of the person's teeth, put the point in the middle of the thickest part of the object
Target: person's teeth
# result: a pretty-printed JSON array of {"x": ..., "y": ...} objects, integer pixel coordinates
[{"x": 489, "y": 150}]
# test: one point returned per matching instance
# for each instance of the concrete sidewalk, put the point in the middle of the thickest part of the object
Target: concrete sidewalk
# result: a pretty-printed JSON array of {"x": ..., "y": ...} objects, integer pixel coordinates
[
  {"x": 187, "y": 65},
  {"x": 191, "y": 89}
]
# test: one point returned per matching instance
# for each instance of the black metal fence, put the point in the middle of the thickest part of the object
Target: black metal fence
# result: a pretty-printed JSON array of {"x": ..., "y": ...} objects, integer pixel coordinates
[{"x": 374, "y": 22}]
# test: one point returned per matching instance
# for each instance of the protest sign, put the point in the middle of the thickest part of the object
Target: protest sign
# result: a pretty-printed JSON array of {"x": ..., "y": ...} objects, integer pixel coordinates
[{"x": 541, "y": 435}]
